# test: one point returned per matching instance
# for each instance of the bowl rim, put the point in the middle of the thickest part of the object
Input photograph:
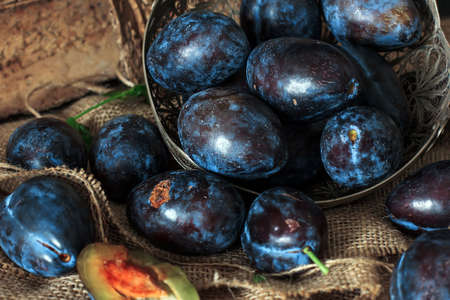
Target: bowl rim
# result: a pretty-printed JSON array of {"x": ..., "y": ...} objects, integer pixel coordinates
[{"x": 438, "y": 127}]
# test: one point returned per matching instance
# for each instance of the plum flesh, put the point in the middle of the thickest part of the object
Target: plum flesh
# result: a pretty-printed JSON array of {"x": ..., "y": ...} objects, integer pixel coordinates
[{"x": 113, "y": 272}]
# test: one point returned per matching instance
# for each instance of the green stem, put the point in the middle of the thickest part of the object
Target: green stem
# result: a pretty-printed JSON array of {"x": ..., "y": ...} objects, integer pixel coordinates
[
  {"x": 137, "y": 90},
  {"x": 316, "y": 260},
  {"x": 257, "y": 278}
]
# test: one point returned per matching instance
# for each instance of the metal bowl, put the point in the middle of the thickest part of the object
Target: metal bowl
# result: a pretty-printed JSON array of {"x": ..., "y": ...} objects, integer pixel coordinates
[{"x": 423, "y": 70}]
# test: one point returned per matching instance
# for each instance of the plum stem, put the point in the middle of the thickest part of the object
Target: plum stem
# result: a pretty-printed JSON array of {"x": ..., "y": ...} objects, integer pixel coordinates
[
  {"x": 316, "y": 260},
  {"x": 62, "y": 256}
]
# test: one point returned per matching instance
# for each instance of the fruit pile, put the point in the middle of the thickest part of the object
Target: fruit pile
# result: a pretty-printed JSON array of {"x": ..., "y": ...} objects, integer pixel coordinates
[
  {"x": 249, "y": 90},
  {"x": 267, "y": 104}
]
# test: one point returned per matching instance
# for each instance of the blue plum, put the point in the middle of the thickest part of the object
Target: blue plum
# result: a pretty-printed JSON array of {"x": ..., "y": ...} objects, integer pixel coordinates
[
  {"x": 303, "y": 79},
  {"x": 382, "y": 24},
  {"x": 197, "y": 50},
  {"x": 127, "y": 150},
  {"x": 383, "y": 89},
  {"x": 267, "y": 19},
  {"x": 280, "y": 224},
  {"x": 422, "y": 271},
  {"x": 360, "y": 146},
  {"x": 44, "y": 224},
  {"x": 232, "y": 133},
  {"x": 46, "y": 142},
  {"x": 422, "y": 201},
  {"x": 187, "y": 212}
]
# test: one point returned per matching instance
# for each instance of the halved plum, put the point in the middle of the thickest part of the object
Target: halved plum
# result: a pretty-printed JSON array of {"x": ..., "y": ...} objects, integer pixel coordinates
[{"x": 113, "y": 272}]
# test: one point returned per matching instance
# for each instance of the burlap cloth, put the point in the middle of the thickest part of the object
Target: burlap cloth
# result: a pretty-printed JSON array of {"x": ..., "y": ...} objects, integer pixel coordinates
[{"x": 363, "y": 243}]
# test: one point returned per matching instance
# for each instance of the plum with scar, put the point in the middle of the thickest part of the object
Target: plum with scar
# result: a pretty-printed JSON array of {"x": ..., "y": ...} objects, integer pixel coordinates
[{"x": 187, "y": 212}]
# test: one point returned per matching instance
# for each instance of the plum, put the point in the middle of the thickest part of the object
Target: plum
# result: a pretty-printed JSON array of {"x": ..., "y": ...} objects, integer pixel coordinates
[
  {"x": 267, "y": 19},
  {"x": 360, "y": 146},
  {"x": 422, "y": 271},
  {"x": 46, "y": 142},
  {"x": 383, "y": 89},
  {"x": 281, "y": 224},
  {"x": 197, "y": 50},
  {"x": 232, "y": 133},
  {"x": 187, "y": 212},
  {"x": 304, "y": 80},
  {"x": 44, "y": 224},
  {"x": 127, "y": 150},
  {"x": 382, "y": 24},
  {"x": 113, "y": 272},
  {"x": 422, "y": 201}
]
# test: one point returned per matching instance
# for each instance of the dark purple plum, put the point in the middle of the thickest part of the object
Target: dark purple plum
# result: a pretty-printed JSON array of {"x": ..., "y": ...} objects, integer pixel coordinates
[
  {"x": 232, "y": 133},
  {"x": 187, "y": 212},
  {"x": 46, "y": 142},
  {"x": 383, "y": 89},
  {"x": 382, "y": 24},
  {"x": 127, "y": 150},
  {"x": 281, "y": 223},
  {"x": 304, "y": 80},
  {"x": 360, "y": 146},
  {"x": 267, "y": 19},
  {"x": 422, "y": 201},
  {"x": 422, "y": 271},
  {"x": 44, "y": 224},
  {"x": 197, "y": 50}
]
